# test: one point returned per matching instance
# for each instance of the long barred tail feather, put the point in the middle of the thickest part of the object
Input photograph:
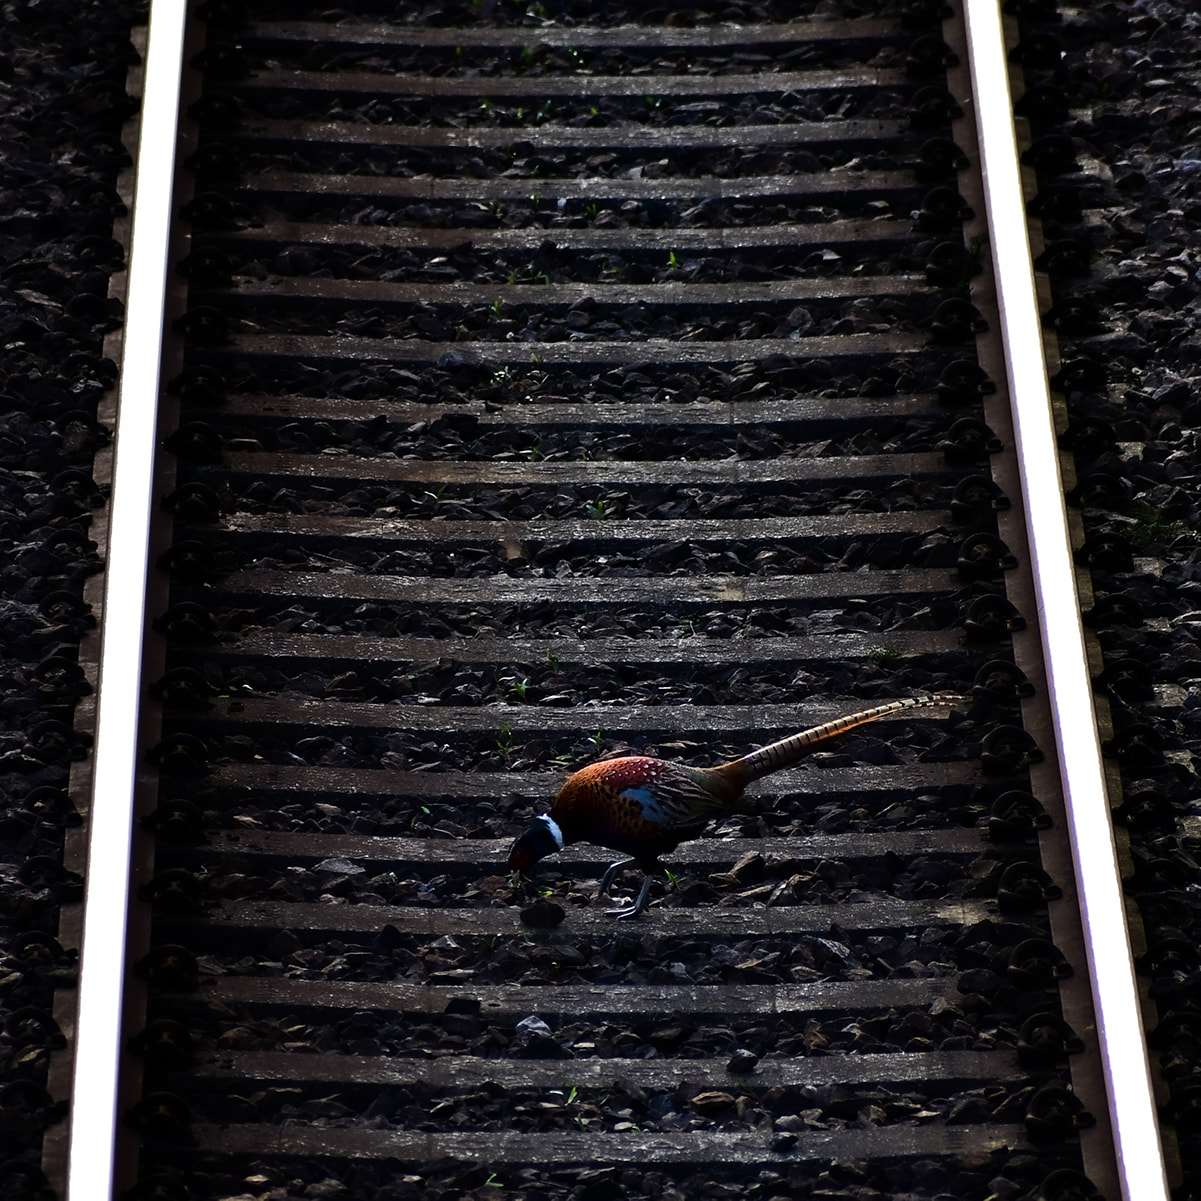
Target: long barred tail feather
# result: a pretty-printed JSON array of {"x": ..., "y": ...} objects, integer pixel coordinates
[{"x": 787, "y": 751}]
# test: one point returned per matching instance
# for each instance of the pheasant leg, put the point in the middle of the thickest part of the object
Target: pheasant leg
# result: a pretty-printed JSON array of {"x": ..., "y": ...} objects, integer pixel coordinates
[{"x": 610, "y": 874}]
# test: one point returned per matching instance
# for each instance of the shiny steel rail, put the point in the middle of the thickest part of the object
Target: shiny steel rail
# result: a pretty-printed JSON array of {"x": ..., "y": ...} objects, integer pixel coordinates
[
  {"x": 1107, "y": 939},
  {"x": 103, "y": 966},
  {"x": 96, "y": 1093}
]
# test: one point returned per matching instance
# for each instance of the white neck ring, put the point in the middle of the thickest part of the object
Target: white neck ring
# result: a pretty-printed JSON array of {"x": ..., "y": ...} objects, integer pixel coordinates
[{"x": 555, "y": 832}]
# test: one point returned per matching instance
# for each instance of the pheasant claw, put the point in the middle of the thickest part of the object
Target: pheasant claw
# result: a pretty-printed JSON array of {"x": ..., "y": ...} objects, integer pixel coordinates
[{"x": 638, "y": 906}]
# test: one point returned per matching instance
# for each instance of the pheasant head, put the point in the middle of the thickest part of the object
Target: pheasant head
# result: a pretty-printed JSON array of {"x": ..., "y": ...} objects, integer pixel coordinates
[{"x": 542, "y": 837}]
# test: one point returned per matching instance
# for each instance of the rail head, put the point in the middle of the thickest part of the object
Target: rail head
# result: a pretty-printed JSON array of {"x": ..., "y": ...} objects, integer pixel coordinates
[
  {"x": 95, "y": 1106},
  {"x": 1140, "y": 1162}
]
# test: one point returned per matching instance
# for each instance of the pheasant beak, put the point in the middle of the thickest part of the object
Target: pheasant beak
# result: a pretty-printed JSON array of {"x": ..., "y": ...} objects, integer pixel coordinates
[{"x": 542, "y": 837}]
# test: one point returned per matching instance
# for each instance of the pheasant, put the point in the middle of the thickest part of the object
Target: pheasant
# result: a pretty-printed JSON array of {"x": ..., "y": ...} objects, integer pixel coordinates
[{"x": 645, "y": 807}]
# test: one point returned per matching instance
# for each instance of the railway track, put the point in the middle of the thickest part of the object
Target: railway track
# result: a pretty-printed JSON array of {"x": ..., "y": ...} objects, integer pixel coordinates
[{"x": 542, "y": 385}]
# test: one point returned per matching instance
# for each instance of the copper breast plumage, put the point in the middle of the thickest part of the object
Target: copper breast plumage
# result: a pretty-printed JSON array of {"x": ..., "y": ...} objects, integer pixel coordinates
[{"x": 637, "y": 804}]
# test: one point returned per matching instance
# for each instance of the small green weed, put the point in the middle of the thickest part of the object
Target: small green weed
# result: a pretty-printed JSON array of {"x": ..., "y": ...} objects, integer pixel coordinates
[
  {"x": 504, "y": 741},
  {"x": 1151, "y": 527}
]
